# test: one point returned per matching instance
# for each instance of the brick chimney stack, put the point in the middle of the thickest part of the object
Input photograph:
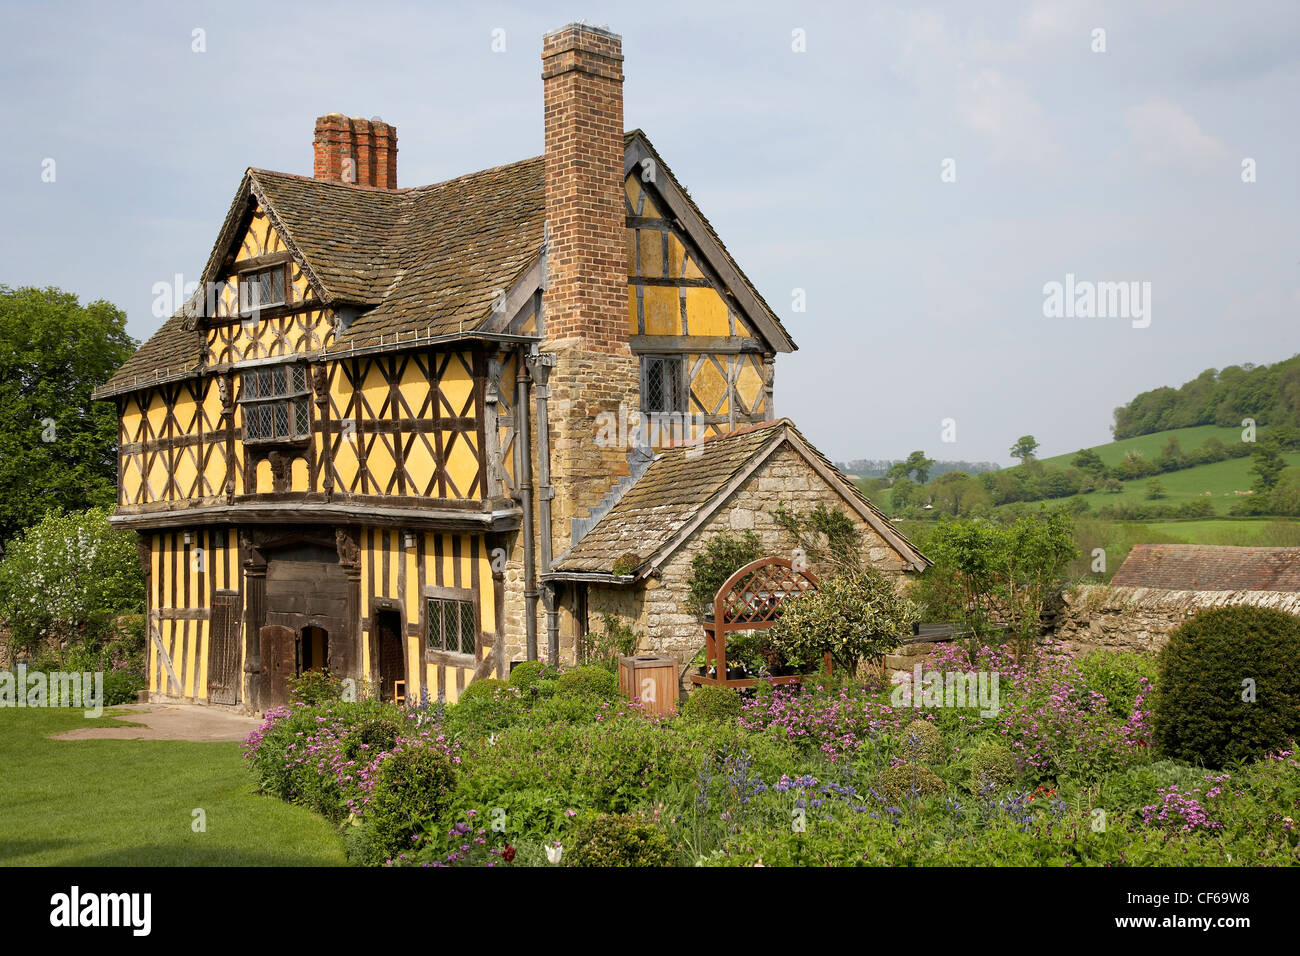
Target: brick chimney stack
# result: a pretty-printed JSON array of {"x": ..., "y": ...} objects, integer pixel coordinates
[
  {"x": 586, "y": 300},
  {"x": 355, "y": 150}
]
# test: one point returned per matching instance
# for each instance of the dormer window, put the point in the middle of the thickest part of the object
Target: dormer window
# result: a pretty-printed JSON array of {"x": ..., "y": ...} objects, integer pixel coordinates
[
  {"x": 262, "y": 289},
  {"x": 276, "y": 404}
]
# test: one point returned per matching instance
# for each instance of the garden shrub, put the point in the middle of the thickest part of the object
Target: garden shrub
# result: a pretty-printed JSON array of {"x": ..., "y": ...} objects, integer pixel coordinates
[
  {"x": 1140, "y": 786},
  {"x": 315, "y": 687},
  {"x": 588, "y": 682},
  {"x": 1117, "y": 676},
  {"x": 722, "y": 556},
  {"x": 992, "y": 765},
  {"x": 708, "y": 702},
  {"x": 906, "y": 780},
  {"x": 530, "y": 676},
  {"x": 484, "y": 687},
  {"x": 413, "y": 789},
  {"x": 922, "y": 742},
  {"x": 617, "y": 840},
  {"x": 1200, "y": 713}
]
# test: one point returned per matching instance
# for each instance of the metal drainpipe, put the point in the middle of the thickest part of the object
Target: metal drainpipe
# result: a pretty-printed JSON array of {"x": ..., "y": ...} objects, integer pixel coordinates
[
  {"x": 541, "y": 364},
  {"x": 524, "y": 451}
]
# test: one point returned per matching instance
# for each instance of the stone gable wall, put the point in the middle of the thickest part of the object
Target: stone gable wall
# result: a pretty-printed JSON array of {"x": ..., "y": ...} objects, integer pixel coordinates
[{"x": 660, "y": 610}]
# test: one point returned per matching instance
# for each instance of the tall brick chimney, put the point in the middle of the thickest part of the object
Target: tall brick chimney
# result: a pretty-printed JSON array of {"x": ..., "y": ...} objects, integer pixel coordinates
[
  {"x": 355, "y": 150},
  {"x": 586, "y": 301}
]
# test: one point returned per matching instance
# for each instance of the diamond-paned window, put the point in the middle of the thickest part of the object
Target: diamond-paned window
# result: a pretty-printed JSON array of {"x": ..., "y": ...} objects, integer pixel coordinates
[
  {"x": 453, "y": 626},
  {"x": 276, "y": 403},
  {"x": 662, "y": 384}
]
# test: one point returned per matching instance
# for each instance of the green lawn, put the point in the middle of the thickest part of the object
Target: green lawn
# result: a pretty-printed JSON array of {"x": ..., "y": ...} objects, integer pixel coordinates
[{"x": 130, "y": 802}]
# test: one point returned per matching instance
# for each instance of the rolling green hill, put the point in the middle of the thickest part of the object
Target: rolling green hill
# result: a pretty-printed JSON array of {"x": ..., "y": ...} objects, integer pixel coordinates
[{"x": 1149, "y": 446}]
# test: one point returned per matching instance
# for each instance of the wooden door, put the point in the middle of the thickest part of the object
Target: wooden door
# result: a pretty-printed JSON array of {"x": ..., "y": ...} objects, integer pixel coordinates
[
  {"x": 223, "y": 650},
  {"x": 279, "y": 663},
  {"x": 392, "y": 665}
]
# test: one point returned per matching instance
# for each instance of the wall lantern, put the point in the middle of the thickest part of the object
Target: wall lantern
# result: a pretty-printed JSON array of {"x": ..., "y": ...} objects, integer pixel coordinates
[
  {"x": 408, "y": 540},
  {"x": 189, "y": 538}
]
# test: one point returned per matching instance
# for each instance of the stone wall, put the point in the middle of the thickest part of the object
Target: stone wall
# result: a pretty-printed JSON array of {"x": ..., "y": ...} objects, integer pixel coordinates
[
  {"x": 1140, "y": 619},
  {"x": 660, "y": 610}
]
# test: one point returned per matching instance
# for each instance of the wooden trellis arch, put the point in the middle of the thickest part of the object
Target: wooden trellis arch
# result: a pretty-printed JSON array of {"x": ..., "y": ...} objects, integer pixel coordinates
[{"x": 751, "y": 600}]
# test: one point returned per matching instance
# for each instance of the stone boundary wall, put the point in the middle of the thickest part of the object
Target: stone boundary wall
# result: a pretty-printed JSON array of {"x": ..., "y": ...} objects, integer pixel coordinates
[{"x": 1140, "y": 619}]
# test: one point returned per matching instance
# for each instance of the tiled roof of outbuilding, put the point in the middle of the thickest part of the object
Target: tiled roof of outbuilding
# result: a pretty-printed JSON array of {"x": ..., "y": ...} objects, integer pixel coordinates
[
  {"x": 685, "y": 483},
  {"x": 1196, "y": 567}
]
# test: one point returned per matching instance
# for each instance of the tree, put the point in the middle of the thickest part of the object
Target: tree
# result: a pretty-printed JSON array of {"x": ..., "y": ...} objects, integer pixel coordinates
[
  {"x": 64, "y": 570},
  {"x": 1267, "y": 467},
  {"x": 957, "y": 493},
  {"x": 1024, "y": 448},
  {"x": 901, "y": 494},
  {"x": 1155, "y": 489},
  {"x": 1089, "y": 461},
  {"x": 58, "y": 449},
  {"x": 993, "y": 573},
  {"x": 919, "y": 466}
]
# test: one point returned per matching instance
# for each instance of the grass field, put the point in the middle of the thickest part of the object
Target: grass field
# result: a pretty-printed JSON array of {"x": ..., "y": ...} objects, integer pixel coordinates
[
  {"x": 1150, "y": 446},
  {"x": 1226, "y": 481},
  {"x": 130, "y": 802}
]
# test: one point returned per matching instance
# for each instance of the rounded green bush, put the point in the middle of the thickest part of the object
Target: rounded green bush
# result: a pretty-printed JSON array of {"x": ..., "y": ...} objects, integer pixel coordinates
[
  {"x": 588, "y": 682},
  {"x": 907, "y": 780},
  {"x": 992, "y": 764},
  {"x": 922, "y": 742},
  {"x": 1209, "y": 665},
  {"x": 613, "y": 839},
  {"x": 710, "y": 702},
  {"x": 484, "y": 687},
  {"x": 529, "y": 676},
  {"x": 414, "y": 787}
]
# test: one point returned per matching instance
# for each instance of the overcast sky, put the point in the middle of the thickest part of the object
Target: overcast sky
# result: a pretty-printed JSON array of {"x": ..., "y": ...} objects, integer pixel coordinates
[{"x": 823, "y": 170}]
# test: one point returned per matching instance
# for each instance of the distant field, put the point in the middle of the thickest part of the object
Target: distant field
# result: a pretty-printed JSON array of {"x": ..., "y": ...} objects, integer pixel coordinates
[
  {"x": 1149, "y": 446},
  {"x": 1223, "y": 480},
  {"x": 1227, "y": 481}
]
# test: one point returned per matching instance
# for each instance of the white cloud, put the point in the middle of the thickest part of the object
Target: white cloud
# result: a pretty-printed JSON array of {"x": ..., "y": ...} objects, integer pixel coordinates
[
  {"x": 1168, "y": 136},
  {"x": 1014, "y": 122}
]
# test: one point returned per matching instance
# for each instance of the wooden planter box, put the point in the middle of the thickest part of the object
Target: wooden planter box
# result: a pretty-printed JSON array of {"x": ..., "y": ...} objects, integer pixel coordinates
[{"x": 652, "y": 679}]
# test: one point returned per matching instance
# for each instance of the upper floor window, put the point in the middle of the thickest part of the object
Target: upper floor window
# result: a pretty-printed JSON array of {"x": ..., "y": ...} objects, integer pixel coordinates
[
  {"x": 276, "y": 403},
  {"x": 262, "y": 289},
  {"x": 663, "y": 384}
]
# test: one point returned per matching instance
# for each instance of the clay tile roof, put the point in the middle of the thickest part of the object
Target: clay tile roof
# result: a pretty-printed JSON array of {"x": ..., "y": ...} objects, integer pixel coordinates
[
  {"x": 430, "y": 259},
  {"x": 1195, "y": 567},
  {"x": 672, "y": 490},
  {"x": 678, "y": 485},
  {"x": 419, "y": 262}
]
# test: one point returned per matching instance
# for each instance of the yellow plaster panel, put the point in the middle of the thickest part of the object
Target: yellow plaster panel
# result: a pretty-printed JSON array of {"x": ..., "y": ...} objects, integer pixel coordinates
[
  {"x": 650, "y": 210},
  {"x": 157, "y": 414},
  {"x": 631, "y": 251},
  {"x": 711, "y": 387},
  {"x": 298, "y": 474},
  {"x": 462, "y": 462},
  {"x": 456, "y": 385},
  {"x": 263, "y": 478},
  {"x": 662, "y": 311},
  {"x": 749, "y": 385},
  {"x": 706, "y": 313},
  {"x": 632, "y": 324},
  {"x": 692, "y": 271},
  {"x": 676, "y": 255},
  {"x": 652, "y": 253},
  {"x": 633, "y": 189}
]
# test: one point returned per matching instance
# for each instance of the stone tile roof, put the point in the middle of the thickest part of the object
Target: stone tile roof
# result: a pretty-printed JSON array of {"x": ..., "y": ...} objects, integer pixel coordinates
[
  {"x": 420, "y": 262},
  {"x": 1195, "y": 567},
  {"x": 678, "y": 486}
]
